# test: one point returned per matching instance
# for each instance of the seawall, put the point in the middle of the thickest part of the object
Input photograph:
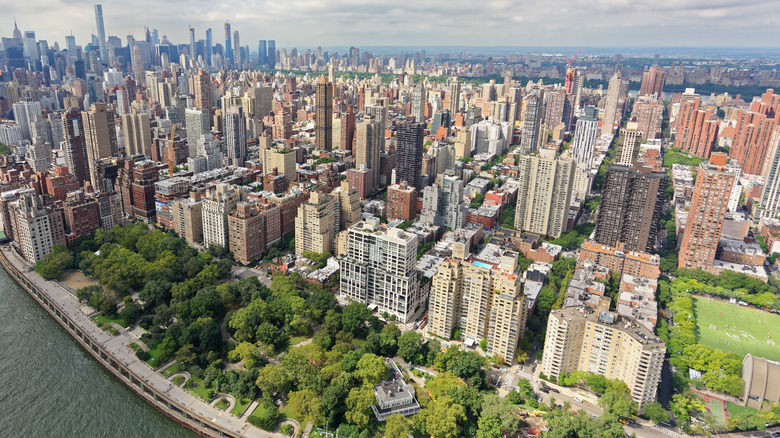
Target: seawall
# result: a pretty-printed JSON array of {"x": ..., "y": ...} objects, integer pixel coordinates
[{"x": 115, "y": 355}]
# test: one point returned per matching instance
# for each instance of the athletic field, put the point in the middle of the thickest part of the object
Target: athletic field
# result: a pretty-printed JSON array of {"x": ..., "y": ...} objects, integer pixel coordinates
[{"x": 743, "y": 330}]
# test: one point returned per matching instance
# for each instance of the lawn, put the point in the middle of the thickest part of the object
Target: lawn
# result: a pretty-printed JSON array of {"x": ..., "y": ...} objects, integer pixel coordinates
[
  {"x": 175, "y": 368},
  {"x": 241, "y": 405},
  {"x": 154, "y": 351},
  {"x": 739, "y": 329},
  {"x": 199, "y": 389},
  {"x": 735, "y": 409},
  {"x": 101, "y": 319},
  {"x": 287, "y": 413}
]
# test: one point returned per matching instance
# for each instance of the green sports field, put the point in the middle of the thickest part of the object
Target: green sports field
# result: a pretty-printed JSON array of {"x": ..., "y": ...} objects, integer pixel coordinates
[{"x": 743, "y": 330}]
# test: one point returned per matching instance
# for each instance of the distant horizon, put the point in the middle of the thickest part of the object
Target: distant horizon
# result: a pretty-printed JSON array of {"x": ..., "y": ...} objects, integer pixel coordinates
[{"x": 679, "y": 25}]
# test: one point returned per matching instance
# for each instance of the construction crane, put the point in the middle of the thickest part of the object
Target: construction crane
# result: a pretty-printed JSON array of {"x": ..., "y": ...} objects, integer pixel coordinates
[{"x": 570, "y": 72}]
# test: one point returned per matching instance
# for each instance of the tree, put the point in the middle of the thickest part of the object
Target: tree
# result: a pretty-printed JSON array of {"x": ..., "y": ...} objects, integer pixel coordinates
[
  {"x": 185, "y": 355},
  {"x": 273, "y": 379},
  {"x": 409, "y": 345},
  {"x": 246, "y": 352},
  {"x": 371, "y": 369},
  {"x": 397, "y": 426},
  {"x": 353, "y": 316},
  {"x": 359, "y": 403},
  {"x": 443, "y": 384},
  {"x": 489, "y": 427},
  {"x": 442, "y": 418},
  {"x": 502, "y": 410},
  {"x": 618, "y": 402},
  {"x": 304, "y": 404},
  {"x": 514, "y": 397},
  {"x": 655, "y": 412},
  {"x": 266, "y": 415}
]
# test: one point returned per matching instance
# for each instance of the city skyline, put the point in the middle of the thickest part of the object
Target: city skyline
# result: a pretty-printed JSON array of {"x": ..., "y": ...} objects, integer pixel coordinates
[{"x": 693, "y": 23}]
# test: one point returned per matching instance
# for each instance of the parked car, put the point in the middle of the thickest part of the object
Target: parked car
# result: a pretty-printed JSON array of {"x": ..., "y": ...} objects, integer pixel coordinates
[
  {"x": 545, "y": 389},
  {"x": 578, "y": 400},
  {"x": 555, "y": 390}
]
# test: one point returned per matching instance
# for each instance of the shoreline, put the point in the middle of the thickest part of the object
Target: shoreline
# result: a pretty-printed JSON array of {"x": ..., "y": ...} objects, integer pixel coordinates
[{"x": 112, "y": 352}]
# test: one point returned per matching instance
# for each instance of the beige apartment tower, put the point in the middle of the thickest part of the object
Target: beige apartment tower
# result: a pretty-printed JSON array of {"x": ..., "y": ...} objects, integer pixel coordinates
[
  {"x": 544, "y": 196},
  {"x": 601, "y": 342},
  {"x": 481, "y": 295},
  {"x": 188, "y": 218},
  {"x": 317, "y": 223},
  {"x": 281, "y": 159}
]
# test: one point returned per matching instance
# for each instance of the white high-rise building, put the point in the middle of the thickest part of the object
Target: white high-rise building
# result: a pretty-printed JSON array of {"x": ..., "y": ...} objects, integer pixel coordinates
[
  {"x": 443, "y": 203},
  {"x": 25, "y": 113},
  {"x": 217, "y": 205},
  {"x": 585, "y": 135},
  {"x": 197, "y": 124},
  {"x": 379, "y": 269}
]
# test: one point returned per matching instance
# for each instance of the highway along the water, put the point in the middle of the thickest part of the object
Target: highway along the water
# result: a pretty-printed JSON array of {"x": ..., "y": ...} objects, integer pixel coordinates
[{"x": 50, "y": 387}]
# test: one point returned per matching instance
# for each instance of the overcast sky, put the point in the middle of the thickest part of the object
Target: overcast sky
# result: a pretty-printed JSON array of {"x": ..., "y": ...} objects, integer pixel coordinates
[{"x": 309, "y": 23}]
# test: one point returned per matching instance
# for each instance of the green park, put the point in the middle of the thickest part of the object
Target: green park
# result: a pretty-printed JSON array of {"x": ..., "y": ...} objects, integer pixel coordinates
[{"x": 738, "y": 329}]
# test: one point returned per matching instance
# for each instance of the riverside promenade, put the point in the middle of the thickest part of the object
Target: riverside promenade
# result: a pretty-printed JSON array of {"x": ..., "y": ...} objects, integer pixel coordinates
[{"x": 116, "y": 356}]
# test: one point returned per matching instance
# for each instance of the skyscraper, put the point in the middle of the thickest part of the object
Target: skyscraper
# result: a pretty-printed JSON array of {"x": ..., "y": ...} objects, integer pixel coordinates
[
  {"x": 197, "y": 121},
  {"x": 631, "y": 207},
  {"x": 379, "y": 269},
  {"x": 237, "y": 50},
  {"x": 317, "y": 223},
  {"x": 137, "y": 133},
  {"x": 653, "y": 82},
  {"x": 202, "y": 90},
  {"x": 228, "y": 45},
  {"x": 612, "y": 115},
  {"x": 628, "y": 145},
  {"x": 601, "y": 342},
  {"x": 697, "y": 129},
  {"x": 770, "y": 197},
  {"x": 262, "y": 52},
  {"x": 419, "y": 103},
  {"x": 368, "y": 147},
  {"x": 483, "y": 295},
  {"x": 99, "y": 138},
  {"x": 219, "y": 202},
  {"x": 323, "y": 114},
  {"x": 138, "y": 65},
  {"x": 101, "y": 30},
  {"x": 754, "y": 130},
  {"x": 192, "y": 45},
  {"x": 711, "y": 193},
  {"x": 73, "y": 137},
  {"x": 454, "y": 96},
  {"x": 409, "y": 150},
  {"x": 585, "y": 135},
  {"x": 532, "y": 120},
  {"x": 208, "y": 48},
  {"x": 235, "y": 135},
  {"x": 271, "y": 58},
  {"x": 544, "y": 195}
]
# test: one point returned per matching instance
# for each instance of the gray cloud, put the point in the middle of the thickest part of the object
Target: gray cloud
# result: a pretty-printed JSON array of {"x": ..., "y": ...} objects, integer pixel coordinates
[{"x": 308, "y": 23}]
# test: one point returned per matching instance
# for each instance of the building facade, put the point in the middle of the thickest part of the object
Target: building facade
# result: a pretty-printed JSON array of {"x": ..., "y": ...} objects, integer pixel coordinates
[
  {"x": 379, "y": 269},
  {"x": 601, "y": 342},
  {"x": 544, "y": 195}
]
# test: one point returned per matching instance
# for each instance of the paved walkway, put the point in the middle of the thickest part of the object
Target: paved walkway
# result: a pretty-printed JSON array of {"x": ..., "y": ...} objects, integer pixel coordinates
[
  {"x": 249, "y": 410},
  {"x": 118, "y": 348}
]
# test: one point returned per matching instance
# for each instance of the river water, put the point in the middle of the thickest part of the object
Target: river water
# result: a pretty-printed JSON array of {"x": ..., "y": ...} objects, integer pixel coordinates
[{"x": 50, "y": 387}]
